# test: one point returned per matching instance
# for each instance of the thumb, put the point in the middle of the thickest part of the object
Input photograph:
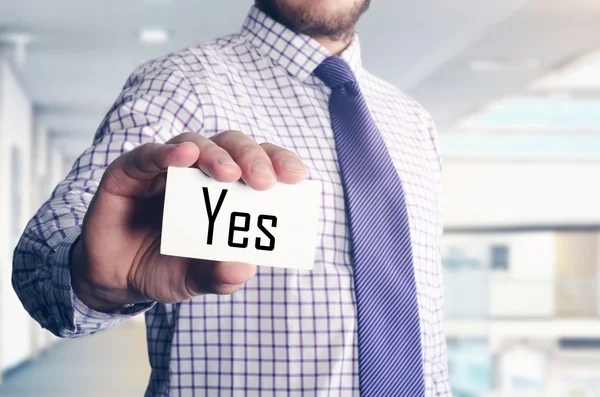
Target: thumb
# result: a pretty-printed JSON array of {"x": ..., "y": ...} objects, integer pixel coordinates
[
  {"x": 223, "y": 278},
  {"x": 134, "y": 174}
]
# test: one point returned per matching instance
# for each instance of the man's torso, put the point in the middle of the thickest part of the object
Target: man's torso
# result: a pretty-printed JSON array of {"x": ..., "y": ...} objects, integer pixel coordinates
[{"x": 290, "y": 332}]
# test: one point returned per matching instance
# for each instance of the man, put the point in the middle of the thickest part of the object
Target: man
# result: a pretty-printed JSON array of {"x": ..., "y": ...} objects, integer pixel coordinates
[{"x": 367, "y": 320}]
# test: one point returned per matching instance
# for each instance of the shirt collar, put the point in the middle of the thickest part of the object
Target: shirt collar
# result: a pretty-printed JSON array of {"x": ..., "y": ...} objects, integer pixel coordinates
[{"x": 299, "y": 54}]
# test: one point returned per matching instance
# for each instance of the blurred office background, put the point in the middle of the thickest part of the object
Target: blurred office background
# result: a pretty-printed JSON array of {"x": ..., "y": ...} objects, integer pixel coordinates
[{"x": 515, "y": 88}]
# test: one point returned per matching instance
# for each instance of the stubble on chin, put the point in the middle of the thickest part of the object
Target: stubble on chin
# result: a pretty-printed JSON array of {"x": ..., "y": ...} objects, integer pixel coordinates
[{"x": 314, "y": 22}]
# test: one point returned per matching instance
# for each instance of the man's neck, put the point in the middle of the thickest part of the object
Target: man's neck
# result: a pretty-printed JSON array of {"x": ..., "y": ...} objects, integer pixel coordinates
[{"x": 334, "y": 46}]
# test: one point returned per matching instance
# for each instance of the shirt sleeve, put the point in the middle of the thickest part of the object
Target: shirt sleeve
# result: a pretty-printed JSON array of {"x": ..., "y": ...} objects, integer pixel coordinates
[
  {"x": 441, "y": 377},
  {"x": 157, "y": 103}
]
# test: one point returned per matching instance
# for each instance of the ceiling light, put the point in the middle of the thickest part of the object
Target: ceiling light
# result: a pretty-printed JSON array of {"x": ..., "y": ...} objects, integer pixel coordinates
[
  {"x": 582, "y": 74},
  {"x": 17, "y": 38},
  {"x": 20, "y": 41},
  {"x": 154, "y": 36},
  {"x": 543, "y": 113},
  {"x": 496, "y": 65}
]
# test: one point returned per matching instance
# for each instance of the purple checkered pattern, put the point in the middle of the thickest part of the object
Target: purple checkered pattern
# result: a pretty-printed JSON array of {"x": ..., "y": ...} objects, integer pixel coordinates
[{"x": 288, "y": 332}]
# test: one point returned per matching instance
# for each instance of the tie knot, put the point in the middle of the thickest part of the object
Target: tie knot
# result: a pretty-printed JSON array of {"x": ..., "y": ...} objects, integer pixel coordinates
[{"x": 334, "y": 72}]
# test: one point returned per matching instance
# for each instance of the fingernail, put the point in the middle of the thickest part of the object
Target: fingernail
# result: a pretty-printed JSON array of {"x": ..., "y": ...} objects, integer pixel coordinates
[
  {"x": 225, "y": 160},
  {"x": 294, "y": 166},
  {"x": 263, "y": 169}
]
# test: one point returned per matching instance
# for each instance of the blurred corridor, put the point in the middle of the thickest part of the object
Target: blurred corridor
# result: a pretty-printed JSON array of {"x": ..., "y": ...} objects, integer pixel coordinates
[{"x": 112, "y": 363}]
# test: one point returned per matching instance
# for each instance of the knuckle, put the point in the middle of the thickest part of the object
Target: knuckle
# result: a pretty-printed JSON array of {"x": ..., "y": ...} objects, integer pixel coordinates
[
  {"x": 191, "y": 288},
  {"x": 283, "y": 154},
  {"x": 227, "y": 138},
  {"x": 187, "y": 136},
  {"x": 268, "y": 145},
  {"x": 184, "y": 137},
  {"x": 213, "y": 151},
  {"x": 278, "y": 152},
  {"x": 205, "y": 144},
  {"x": 209, "y": 150},
  {"x": 210, "y": 153},
  {"x": 141, "y": 150},
  {"x": 225, "y": 289},
  {"x": 233, "y": 134},
  {"x": 250, "y": 150},
  {"x": 115, "y": 178}
]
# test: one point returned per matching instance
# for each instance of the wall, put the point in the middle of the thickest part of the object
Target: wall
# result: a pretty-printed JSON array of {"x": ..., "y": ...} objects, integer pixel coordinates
[
  {"x": 15, "y": 209},
  {"x": 526, "y": 288},
  {"x": 47, "y": 171},
  {"x": 509, "y": 192},
  {"x": 576, "y": 274},
  {"x": 573, "y": 373}
]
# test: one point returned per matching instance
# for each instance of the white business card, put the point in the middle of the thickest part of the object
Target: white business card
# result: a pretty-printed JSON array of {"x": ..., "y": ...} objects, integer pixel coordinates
[{"x": 218, "y": 221}]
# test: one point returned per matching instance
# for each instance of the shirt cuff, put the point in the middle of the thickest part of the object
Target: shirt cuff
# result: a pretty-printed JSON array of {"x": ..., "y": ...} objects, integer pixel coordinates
[{"x": 77, "y": 318}]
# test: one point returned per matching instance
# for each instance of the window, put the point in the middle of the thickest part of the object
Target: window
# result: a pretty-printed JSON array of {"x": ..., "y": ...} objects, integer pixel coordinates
[
  {"x": 500, "y": 257},
  {"x": 16, "y": 193}
]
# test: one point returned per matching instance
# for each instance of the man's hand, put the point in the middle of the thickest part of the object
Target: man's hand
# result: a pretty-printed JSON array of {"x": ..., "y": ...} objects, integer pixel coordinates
[{"x": 117, "y": 260}]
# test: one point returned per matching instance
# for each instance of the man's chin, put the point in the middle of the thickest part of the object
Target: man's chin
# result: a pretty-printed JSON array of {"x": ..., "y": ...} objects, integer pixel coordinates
[{"x": 316, "y": 18}]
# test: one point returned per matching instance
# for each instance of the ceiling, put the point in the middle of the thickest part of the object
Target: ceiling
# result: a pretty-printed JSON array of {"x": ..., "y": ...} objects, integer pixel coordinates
[
  {"x": 453, "y": 56},
  {"x": 540, "y": 37}
]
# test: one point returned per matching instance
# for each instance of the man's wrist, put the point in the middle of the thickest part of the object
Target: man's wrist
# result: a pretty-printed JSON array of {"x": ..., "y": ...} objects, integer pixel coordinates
[{"x": 91, "y": 295}]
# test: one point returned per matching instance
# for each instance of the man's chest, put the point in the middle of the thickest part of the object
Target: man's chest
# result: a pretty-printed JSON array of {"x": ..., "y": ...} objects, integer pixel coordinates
[
  {"x": 296, "y": 117},
  {"x": 280, "y": 110}
]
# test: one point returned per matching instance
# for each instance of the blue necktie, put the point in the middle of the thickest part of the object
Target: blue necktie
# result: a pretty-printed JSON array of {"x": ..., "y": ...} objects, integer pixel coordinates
[{"x": 389, "y": 343}]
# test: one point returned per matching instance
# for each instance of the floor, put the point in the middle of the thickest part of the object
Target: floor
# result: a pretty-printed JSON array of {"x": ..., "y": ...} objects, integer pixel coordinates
[{"x": 112, "y": 363}]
